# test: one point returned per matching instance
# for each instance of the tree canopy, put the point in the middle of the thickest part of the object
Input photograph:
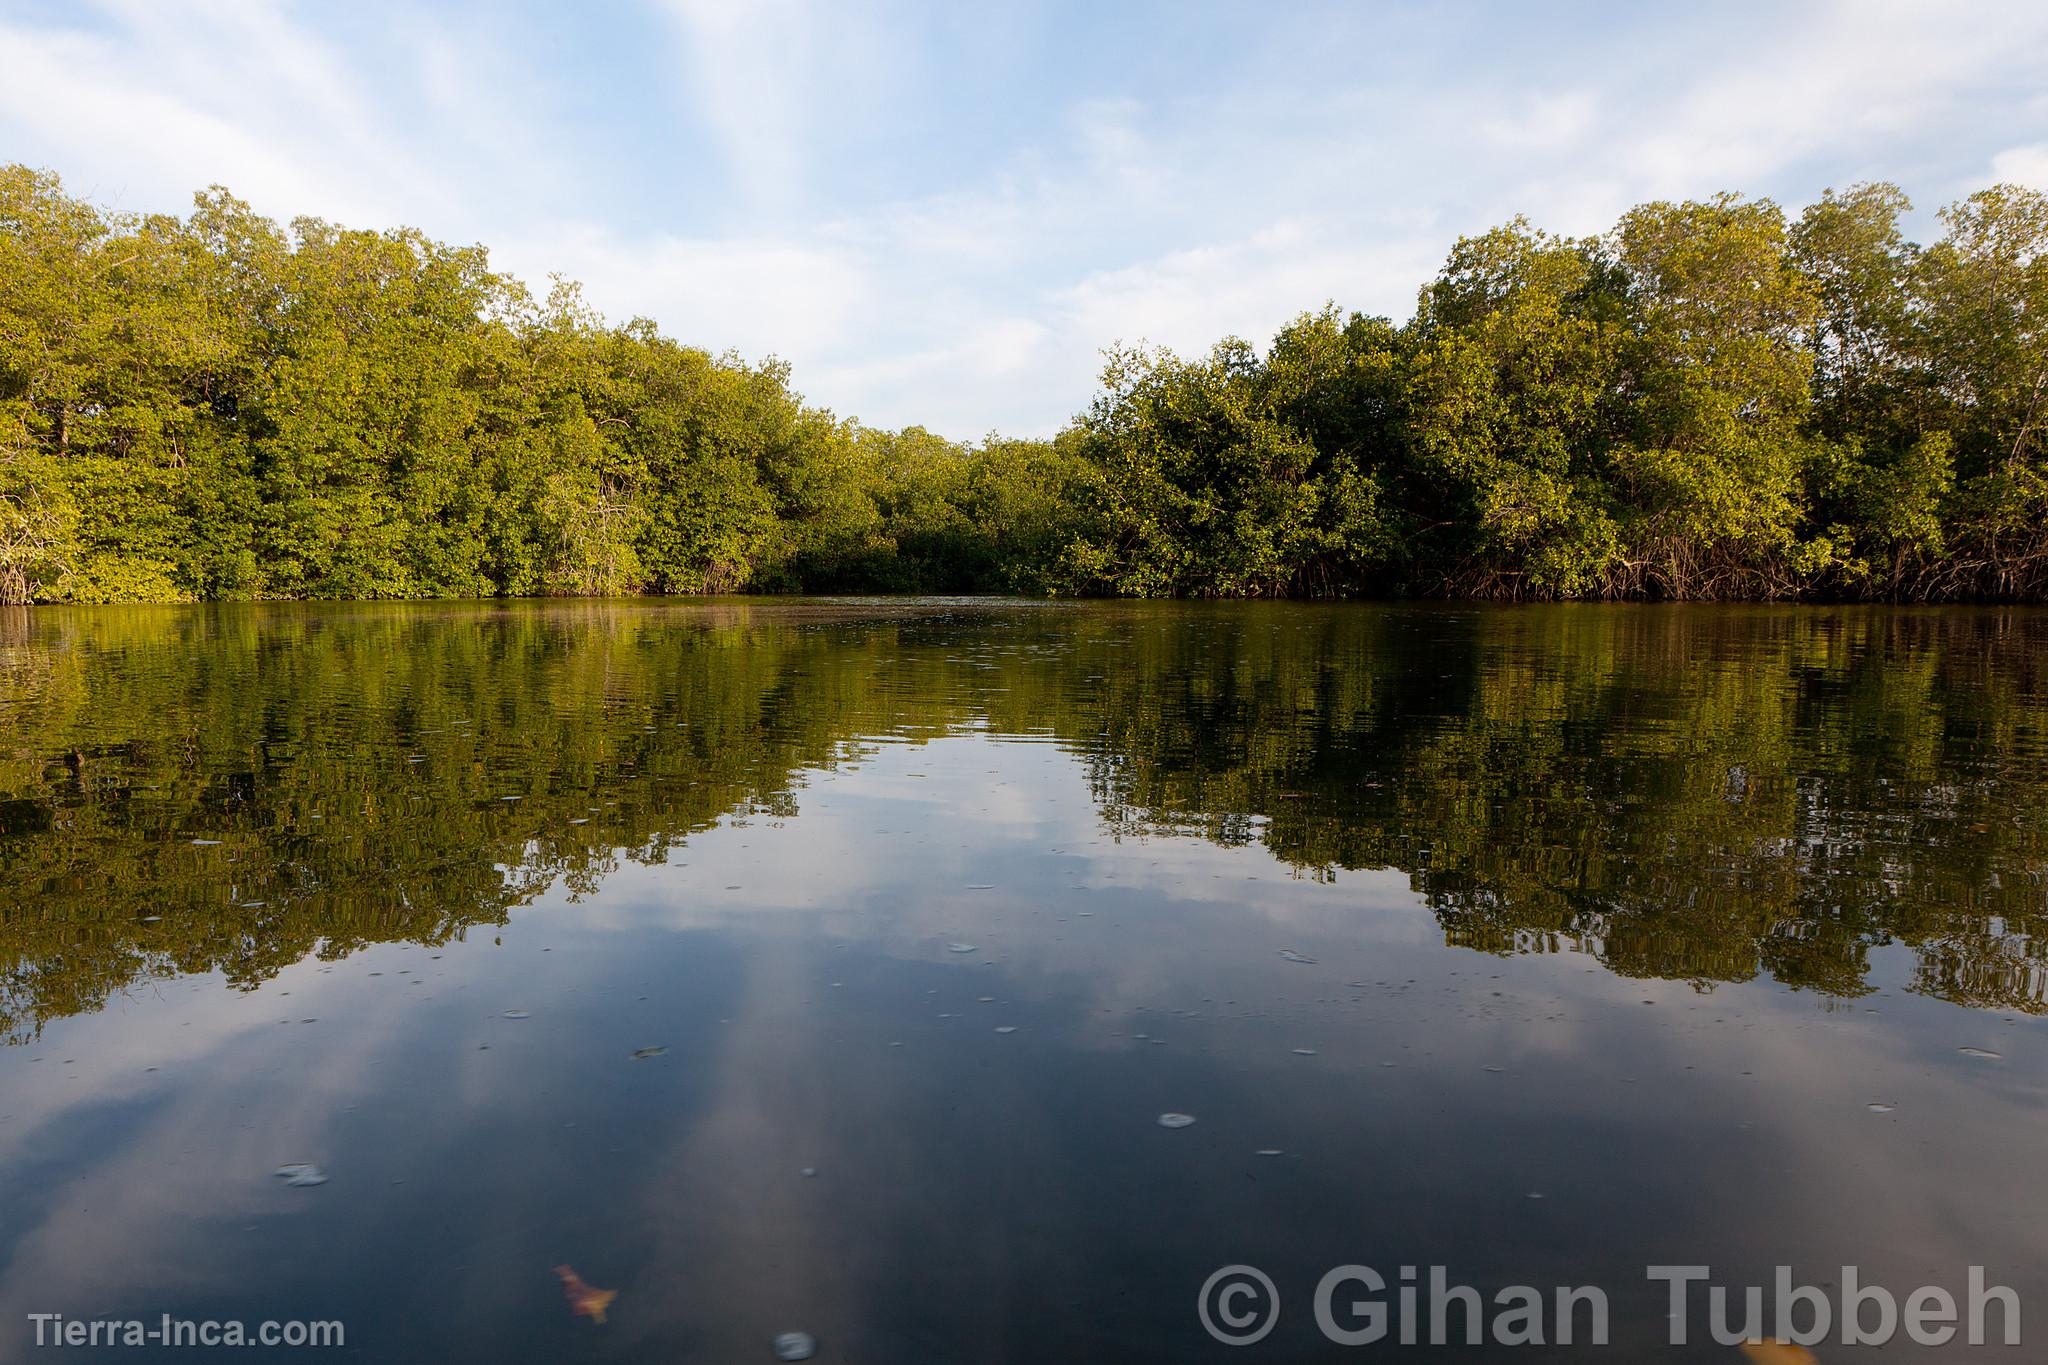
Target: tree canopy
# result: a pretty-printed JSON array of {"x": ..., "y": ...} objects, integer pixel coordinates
[{"x": 1711, "y": 400}]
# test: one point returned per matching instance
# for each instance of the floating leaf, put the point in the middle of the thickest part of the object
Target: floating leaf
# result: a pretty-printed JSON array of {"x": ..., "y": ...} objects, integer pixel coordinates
[
  {"x": 641, "y": 1054},
  {"x": 585, "y": 1300},
  {"x": 301, "y": 1174},
  {"x": 959, "y": 947},
  {"x": 1778, "y": 1353},
  {"x": 517, "y": 1014},
  {"x": 1981, "y": 1052},
  {"x": 1171, "y": 1120},
  {"x": 1293, "y": 956}
]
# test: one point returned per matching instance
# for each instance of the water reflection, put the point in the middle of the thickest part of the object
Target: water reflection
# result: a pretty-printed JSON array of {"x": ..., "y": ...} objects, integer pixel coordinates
[
  {"x": 1702, "y": 795},
  {"x": 1546, "y": 945}
]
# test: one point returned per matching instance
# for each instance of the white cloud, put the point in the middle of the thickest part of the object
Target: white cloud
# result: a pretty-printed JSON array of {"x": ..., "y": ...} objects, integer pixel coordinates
[
  {"x": 769, "y": 77},
  {"x": 2022, "y": 165},
  {"x": 1544, "y": 123},
  {"x": 1248, "y": 287},
  {"x": 757, "y": 297},
  {"x": 792, "y": 182},
  {"x": 743, "y": 65},
  {"x": 84, "y": 100},
  {"x": 1849, "y": 78}
]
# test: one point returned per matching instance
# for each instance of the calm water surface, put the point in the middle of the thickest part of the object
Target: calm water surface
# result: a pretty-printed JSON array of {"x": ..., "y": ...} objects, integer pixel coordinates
[{"x": 1545, "y": 945}]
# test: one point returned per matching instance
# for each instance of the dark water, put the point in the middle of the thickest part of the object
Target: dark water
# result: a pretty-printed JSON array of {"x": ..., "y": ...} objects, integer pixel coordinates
[{"x": 1621, "y": 921}]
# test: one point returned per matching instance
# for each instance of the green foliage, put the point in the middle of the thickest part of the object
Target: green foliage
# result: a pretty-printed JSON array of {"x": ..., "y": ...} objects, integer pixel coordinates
[
  {"x": 1705, "y": 402},
  {"x": 1718, "y": 380},
  {"x": 1203, "y": 479},
  {"x": 1520, "y": 347}
]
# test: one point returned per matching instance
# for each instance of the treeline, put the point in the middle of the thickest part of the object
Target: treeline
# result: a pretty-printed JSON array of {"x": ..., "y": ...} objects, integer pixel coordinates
[{"x": 1709, "y": 401}]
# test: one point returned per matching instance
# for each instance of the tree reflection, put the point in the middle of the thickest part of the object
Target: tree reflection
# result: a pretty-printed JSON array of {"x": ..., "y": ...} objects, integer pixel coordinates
[{"x": 1699, "y": 794}]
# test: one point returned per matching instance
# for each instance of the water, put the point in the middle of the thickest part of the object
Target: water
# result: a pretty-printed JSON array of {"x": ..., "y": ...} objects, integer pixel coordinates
[{"x": 1544, "y": 945}]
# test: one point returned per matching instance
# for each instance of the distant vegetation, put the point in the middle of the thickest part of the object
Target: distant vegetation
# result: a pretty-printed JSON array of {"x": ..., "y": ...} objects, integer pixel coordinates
[{"x": 1706, "y": 402}]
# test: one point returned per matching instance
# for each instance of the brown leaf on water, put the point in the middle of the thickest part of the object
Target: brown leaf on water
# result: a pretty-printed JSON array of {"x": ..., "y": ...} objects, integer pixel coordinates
[
  {"x": 585, "y": 1300},
  {"x": 1778, "y": 1353}
]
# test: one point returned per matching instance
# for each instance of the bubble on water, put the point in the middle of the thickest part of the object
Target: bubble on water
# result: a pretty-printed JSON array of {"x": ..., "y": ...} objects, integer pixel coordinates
[
  {"x": 1006, "y": 1028},
  {"x": 517, "y": 1014},
  {"x": 1981, "y": 1052},
  {"x": 809, "y": 1172},
  {"x": 795, "y": 1346},
  {"x": 641, "y": 1054},
  {"x": 981, "y": 886},
  {"x": 959, "y": 947},
  {"x": 1269, "y": 1151},
  {"x": 1172, "y": 1120},
  {"x": 301, "y": 1173},
  {"x": 1290, "y": 955},
  {"x": 1880, "y": 1108}
]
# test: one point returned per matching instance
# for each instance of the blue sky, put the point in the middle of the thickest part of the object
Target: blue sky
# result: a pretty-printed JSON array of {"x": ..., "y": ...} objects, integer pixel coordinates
[{"x": 941, "y": 213}]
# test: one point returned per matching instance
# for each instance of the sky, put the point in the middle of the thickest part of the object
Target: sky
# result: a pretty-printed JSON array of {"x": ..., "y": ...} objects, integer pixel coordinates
[{"x": 942, "y": 213}]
